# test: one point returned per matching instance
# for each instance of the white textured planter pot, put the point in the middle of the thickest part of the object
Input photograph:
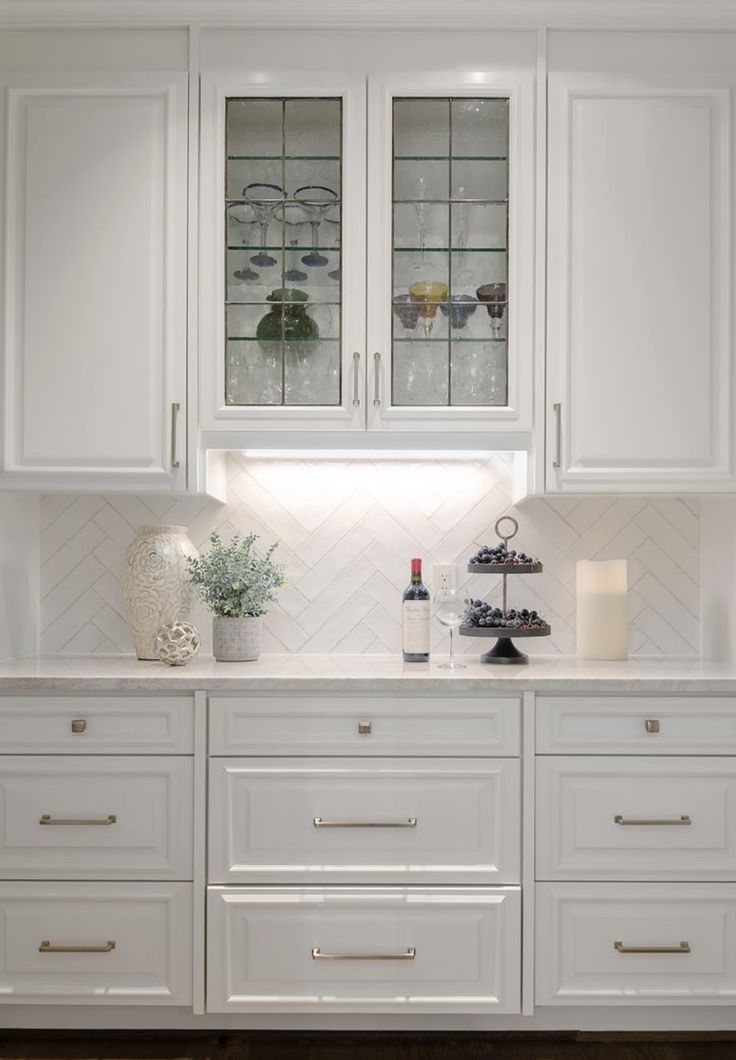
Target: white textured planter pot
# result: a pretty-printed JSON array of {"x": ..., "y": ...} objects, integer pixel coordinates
[
  {"x": 236, "y": 639},
  {"x": 156, "y": 586}
]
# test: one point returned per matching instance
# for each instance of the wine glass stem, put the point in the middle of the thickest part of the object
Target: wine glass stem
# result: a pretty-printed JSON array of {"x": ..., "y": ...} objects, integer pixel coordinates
[
  {"x": 315, "y": 235},
  {"x": 452, "y": 649},
  {"x": 264, "y": 234}
]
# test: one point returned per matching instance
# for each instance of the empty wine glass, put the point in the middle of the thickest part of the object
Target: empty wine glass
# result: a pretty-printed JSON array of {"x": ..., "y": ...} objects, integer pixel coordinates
[
  {"x": 315, "y": 200},
  {"x": 420, "y": 208},
  {"x": 494, "y": 296},
  {"x": 428, "y": 294},
  {"x": 263, "y": 199},
  {"x": 239, "y": 219},
  {"x": 450, "y": 607},
  {"x": 292, "y": 216}
]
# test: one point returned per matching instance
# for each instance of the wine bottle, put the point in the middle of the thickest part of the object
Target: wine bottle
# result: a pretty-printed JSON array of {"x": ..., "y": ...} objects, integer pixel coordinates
[{"x": 415, "y": 617}]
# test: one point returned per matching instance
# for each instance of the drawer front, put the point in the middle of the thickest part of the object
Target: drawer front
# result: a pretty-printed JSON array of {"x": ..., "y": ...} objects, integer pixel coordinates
[
  {"x": 645, "y": 725},
  {"x": 96, "y": 724},
  {"x": 355, "y": 725},
  {"x": 105, "y": 944},
  {"x": 78, "y": 818},
  {"x": 363, "y": 949},
  {"x": 628, "y": 944},
  {"x": 388, "y": 820},
  {"x": 628, "y": 819}
]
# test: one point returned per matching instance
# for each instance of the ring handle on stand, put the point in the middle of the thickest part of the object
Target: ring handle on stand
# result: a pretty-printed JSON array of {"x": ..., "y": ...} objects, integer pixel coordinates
[{"x": 506, "y": 519}]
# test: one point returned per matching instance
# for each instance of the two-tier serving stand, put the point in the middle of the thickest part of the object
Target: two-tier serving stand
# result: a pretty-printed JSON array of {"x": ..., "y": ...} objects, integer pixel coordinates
[{"x": 505, "y": 651}]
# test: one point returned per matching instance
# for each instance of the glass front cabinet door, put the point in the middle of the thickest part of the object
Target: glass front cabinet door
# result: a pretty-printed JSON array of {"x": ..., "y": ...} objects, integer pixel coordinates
[{"x": 366, "y": 276}]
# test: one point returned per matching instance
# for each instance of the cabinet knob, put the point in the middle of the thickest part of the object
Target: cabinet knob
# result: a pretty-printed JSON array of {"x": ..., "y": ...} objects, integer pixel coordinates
[
  {"x": 364, "y": 728},
  {"x": 79, "y": 725},
  {"x": 652, "y": 725}
]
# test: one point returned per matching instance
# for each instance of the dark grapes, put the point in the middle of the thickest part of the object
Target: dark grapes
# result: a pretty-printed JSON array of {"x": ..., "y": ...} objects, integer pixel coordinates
[
  {"x": 501, "y": 556},
  {"x": 482, "y": 615}
]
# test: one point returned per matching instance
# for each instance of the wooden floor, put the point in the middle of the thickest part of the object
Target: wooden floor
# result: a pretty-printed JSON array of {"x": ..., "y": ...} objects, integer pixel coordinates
[{"x": 22, "y": 1045}]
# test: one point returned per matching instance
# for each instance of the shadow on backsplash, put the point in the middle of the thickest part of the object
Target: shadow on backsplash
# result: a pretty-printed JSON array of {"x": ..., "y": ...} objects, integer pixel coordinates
[{"x": 347, "y": 529}]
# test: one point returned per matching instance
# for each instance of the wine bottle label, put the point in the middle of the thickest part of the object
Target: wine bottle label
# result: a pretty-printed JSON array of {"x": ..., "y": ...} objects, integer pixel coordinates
[{"x": 416, "y": 627}]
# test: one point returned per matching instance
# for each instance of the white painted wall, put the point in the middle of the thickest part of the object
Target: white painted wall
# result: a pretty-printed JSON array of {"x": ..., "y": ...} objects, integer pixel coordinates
[
  {"x": 718, "y": 577},
  {"x": 19, "y": 574}
]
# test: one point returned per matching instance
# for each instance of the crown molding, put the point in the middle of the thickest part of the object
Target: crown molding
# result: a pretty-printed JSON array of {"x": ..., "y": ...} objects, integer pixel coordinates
[{"x": 397, "y": 14}]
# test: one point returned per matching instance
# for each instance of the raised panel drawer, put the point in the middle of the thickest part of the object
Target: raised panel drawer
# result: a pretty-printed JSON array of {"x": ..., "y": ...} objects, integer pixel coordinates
[
  {"x": 114, "y": 818},
  {"x": 377, "y": 949},
  {"x": 363, "y": 725},
  {"x": 96, "y": 943},
  {"x": 646, "y": 725},
  {"x": 361, "y": 820},
  {"x": 96, "y": 724},
  {"x": 636, "y": 944},
  {"x": 636, "y": 819}
]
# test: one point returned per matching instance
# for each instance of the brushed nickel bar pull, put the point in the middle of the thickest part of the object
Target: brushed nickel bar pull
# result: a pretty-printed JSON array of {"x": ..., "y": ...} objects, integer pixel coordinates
[
  {"x": 408, "y": 955},
  {"x": 620, "y": 819},
  {"x": 376, "y": 379},
  {"x": 48, "y": 819},
  {"x": 557, "y": 409},
  {"x": 684, "y": 947},
  {"x": 46, "y": 947},
  {"x": 651, "y": 725},
  {"x": 410, "y": 822},
  {"x": 175, "y": 407},
  {"x": 79, "y": 725},
  {"x": 356, "y": 379}
]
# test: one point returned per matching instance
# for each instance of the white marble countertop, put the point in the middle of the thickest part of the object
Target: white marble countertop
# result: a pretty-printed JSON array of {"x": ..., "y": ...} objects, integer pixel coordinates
[{"x": 360, "y": 673}]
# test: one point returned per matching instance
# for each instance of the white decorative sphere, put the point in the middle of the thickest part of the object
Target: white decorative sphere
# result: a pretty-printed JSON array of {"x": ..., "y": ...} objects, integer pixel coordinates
[{"x": 177, "y": 642}]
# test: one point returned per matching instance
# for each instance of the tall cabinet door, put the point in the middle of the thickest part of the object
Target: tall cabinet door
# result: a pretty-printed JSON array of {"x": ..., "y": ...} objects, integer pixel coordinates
[
  {"x": 94, "y": 297},
  {"x": 282, "y": 241},
  {"x": 450, "y": 251},
  {"x": 640, "y": 383}
]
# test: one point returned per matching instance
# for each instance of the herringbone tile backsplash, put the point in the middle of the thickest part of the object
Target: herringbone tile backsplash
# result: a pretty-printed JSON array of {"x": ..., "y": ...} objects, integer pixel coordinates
[{"x": 347, "y": 529}]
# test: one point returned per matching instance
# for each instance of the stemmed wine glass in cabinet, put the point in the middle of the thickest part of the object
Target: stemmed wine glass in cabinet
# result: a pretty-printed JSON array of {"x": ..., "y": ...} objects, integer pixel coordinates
[
  {"x": 263, "y": 199},
  {"x": 315, "y": 200}
]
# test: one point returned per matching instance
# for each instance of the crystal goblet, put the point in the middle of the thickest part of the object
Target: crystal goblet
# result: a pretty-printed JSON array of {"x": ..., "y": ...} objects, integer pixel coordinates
[
  {"x": 263, "y": 199},
  {"x": 494, "y": 297},
  {"x": 450, "y": 608},
  {"x": 315, "y": 200}
]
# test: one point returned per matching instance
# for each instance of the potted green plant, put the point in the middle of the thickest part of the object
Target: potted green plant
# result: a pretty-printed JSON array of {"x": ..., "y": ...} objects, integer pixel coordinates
[{"x": 236, "y": 582}]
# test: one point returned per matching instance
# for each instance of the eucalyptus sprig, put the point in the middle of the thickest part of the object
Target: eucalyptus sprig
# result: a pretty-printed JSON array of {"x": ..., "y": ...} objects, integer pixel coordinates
[{"x": 236, "y": 580}]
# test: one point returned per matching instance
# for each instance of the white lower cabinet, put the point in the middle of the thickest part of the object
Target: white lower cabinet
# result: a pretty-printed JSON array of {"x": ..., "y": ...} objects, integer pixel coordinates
[
  {"x": 364, "y": 949},
  {"x": 69, "y": 817},
  {"x": 615, "y": 818},
  {"x": 96, "y": 943},
  {"x": 360, "y": 820},
  {"x": 636, "y": 944}
]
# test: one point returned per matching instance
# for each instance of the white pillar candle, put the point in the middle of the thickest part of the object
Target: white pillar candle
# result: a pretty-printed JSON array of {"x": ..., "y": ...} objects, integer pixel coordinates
[{"x": 602, "y": 613}]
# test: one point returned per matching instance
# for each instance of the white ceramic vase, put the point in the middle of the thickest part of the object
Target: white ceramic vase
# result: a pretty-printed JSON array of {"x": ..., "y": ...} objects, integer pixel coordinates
[
  {"x": 236, "y": 639},
  {"x": 156, "y": 586}
]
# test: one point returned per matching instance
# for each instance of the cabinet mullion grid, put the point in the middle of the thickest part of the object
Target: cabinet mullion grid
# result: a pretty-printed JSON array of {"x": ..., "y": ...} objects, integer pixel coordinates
[
  {"x": 328, "y": 305},
  {"x": 449, "y": 202}
]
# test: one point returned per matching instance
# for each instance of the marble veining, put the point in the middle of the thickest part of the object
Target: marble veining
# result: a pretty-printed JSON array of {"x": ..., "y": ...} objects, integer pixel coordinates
[{"x": 361, "y": 673}]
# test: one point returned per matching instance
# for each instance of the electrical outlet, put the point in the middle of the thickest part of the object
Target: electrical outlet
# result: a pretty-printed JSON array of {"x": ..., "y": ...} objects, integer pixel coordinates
[{"x": 443, "y": 576}]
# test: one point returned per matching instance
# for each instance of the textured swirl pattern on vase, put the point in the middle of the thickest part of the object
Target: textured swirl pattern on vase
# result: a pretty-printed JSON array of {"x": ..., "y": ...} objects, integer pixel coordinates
[{"x": 156, "y": 587}]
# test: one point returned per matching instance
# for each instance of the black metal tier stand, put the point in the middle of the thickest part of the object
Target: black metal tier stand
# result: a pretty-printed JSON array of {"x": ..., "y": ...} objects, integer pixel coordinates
[{"x": 505, "y": 652}]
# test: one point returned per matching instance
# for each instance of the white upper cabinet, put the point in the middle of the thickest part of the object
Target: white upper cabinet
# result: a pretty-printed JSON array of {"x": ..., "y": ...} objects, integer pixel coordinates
[
  {"x": 282, "y": 336},
  {"x": 450, "y": 252},
  {"x": 640, "y": 383},
  {"x": 94, "y": 298},
  {"x": 365, "y": 274}
]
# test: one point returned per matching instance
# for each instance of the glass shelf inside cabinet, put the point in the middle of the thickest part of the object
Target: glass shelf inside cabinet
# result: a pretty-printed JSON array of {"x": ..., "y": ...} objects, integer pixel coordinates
[
  {"x": 283, "y": 234},
  {"x": 450, "y": 251}
]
